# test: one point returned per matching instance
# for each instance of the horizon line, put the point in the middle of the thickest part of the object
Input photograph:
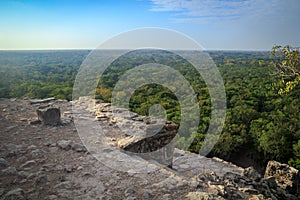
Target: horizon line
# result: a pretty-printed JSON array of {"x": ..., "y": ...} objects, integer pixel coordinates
[{"x": 91, "y": 49}]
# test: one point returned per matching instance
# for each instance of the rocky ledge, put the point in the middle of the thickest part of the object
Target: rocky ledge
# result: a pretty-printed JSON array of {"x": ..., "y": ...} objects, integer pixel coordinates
[{"x": 44, "y": 160}]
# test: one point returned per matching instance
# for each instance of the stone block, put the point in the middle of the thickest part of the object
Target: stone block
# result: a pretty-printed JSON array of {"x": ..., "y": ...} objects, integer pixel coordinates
[{"x": 49, "y": 115}]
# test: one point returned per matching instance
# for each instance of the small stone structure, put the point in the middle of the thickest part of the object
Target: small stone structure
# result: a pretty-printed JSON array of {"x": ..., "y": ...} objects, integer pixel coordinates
[{"x": 49, "y": 115}]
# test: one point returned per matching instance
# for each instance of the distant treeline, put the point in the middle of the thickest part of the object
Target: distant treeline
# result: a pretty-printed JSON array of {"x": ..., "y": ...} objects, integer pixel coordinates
[{"x": 39, "y": 74}]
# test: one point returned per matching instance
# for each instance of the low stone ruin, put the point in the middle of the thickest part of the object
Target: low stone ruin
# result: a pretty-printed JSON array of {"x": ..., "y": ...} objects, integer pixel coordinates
[{"x": 49, "y": 115}]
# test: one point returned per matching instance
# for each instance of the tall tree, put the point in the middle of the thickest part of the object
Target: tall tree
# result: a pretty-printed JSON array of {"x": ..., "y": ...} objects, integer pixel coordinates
[{"x": 287, "y": 65}]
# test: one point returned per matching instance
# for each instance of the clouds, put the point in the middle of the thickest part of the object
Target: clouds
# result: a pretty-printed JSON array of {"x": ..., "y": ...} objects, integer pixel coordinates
[
  {"x": 196, "y": 9},
  {"x": 199, "y": 7},
  {"x": 236, "y": 24},
  {"x": 212, "y": 10}
]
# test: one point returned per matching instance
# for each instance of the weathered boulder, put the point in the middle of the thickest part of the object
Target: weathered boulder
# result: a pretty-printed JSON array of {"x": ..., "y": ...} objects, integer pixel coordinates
[
  {"x": 49, "y": 115},
  {"x": 286, "y": 177}
]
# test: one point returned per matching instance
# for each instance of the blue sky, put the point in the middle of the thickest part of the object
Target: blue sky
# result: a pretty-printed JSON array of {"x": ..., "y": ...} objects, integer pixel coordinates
[{"x": 215, "y": 24}]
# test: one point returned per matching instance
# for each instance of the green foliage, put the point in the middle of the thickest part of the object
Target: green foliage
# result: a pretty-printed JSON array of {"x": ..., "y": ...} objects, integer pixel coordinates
[
  {"x": 287, "y": 66},
  {"x": 295, "y": 161},
  {"x": 39, "y": 74},
  {"x": 148, "y": 95}
]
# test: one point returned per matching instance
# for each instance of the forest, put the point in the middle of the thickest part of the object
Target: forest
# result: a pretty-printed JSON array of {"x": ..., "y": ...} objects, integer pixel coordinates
[{"x": 261, "y": 123}]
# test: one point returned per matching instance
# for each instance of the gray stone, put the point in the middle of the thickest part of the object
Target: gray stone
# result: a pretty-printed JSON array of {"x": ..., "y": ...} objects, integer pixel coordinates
[
  {"x": 64, "y": 144},
  {"x": 23, "y": 119},
  {"x": 64, "y": 185},
  {"x": 34, "y": 121},
  {"x": 147, "y": 194},
  {"x": 10, "y": 127},
  {"x": 2, "y": 190},
  {"x": 154, "y": 129},
  {"x": 37, "y": 153},
  {"x": 139, "y": 118},
  {"x": 208, "y": 176},
  {"x": 17, "y": 151},
  {"x": 131, "y": 198},
  {"x": 78, "y": 147},
  {"x": 65, "y": 121},
  {"x": 129, "y": 192},
  {"x": 269, "y": 182},
  {"x": 249, "y": 190},
  {"x": 51, "y": 197},
  {"x": 31, "y": 176},
  {"x": 169, "y": 183},
  {"x": 167, "y": 197},
  {"x": 39, "y": 101},
  {"x": 10, "y": 171},
  {"x": 31, "y": 147},
  {"x": 28, "y": 164},
  {"x": 24, "y": 174},
  {"x": 202, "y": 196},
  {"x": 87, "y": 174},
  {"x": 65, "y": 194},
  {"x": 158, "y": 147},
  {"x": 3, "y": 163},
  {"x": 257, "y": 197},
  {"x": 33, "y": 195},
  {"x": 41, "y": 179},
  {"x": 69, "y": 168},
  {"x": 49, "y": 115},
  {"x": 15, "y": 194},
  {"x": 251, "y": 173}
]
